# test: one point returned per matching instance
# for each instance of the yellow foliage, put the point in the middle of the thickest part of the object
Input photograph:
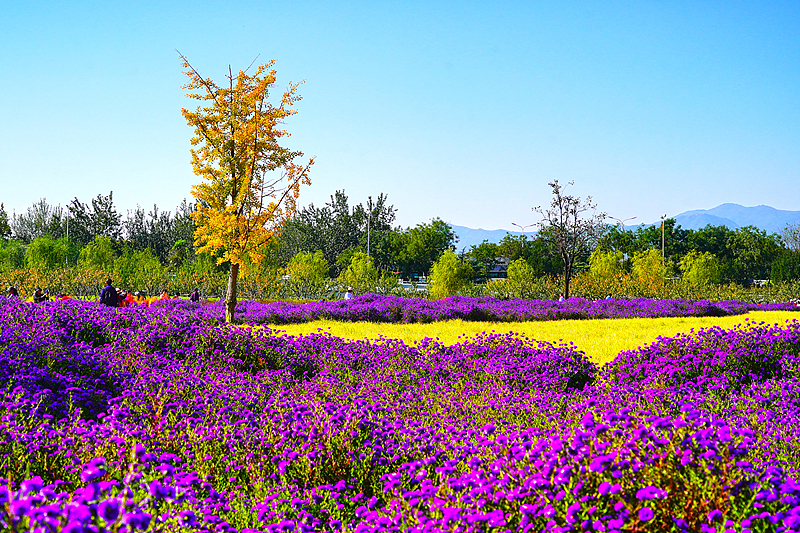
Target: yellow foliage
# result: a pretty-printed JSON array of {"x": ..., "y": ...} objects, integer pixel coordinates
[{"x": 250, "y": 182}]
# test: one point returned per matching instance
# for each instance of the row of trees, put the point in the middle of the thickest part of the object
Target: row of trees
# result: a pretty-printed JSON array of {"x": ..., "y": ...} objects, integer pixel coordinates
[
  {"x": 38, "y": 238},
  {"x": 360, "y": 246},
  {"x": 166, "y": 235}
]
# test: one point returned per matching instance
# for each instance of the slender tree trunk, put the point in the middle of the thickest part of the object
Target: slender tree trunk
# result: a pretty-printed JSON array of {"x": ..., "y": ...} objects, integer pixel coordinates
[
  {"x": 567, "y": 276},
  {"x": 230, "y": 297}
]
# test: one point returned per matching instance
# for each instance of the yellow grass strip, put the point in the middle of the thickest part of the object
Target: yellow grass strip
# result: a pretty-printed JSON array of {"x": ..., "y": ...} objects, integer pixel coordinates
[{"x": 601, "y": 340}]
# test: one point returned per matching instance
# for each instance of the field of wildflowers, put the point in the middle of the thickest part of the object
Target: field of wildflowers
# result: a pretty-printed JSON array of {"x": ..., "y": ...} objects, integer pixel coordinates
[
  {"x": 394, "y": 309},
  {"x": 163, "y": 419}
]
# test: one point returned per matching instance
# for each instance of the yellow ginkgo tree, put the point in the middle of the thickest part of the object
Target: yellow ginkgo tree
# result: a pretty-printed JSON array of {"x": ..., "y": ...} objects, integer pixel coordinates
[{"x": 250, "y": 182}]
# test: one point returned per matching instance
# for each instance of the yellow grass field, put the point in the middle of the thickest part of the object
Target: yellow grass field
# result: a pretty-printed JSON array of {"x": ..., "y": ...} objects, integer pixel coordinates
[{"x": 601, "y": 340}]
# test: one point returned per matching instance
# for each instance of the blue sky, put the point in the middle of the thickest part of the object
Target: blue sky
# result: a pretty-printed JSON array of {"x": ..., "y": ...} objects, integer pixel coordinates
[{"x": 458, "y": 110}]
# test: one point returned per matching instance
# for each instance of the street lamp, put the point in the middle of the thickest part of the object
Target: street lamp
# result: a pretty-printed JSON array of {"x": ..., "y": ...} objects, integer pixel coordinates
[
  {"x": 663, "y": 217},
  {"x": 621, "y": 221},
  {"x": 522, "y": 227},
  {"x": 369, "y": 222}
]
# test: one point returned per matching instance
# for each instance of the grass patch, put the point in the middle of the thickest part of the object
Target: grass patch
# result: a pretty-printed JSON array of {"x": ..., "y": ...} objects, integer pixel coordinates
[{"x": 600, "y": 339}]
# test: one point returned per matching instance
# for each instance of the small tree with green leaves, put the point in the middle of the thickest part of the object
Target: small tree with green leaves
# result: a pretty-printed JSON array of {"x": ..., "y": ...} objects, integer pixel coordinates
[
  {"x": 308, "y": 275},
  {"x": 448, "y": 275},
  {"x": 361, "y": 274},
  {"x": 701, "y": 268},
  {"x": 520, "y": 280},
  {"x": 97, "y": 254},
  {"x": 648, "y": 267},
  {"x": 607, "y": 265},
  {"x": 46, "y": 253}
]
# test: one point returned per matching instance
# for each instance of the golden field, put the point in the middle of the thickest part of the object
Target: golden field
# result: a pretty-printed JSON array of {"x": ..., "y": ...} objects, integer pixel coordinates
[{"x": 600, "y": 339}]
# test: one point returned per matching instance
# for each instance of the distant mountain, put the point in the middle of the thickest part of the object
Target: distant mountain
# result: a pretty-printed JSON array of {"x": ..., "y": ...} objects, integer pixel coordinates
[
  {"x": 468, "y": 237},
  {"x": 695, "y": 220},
  {"x": 735, "y": 216}
]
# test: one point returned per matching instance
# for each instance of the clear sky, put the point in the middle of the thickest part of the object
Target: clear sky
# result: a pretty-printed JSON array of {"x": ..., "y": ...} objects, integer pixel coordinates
[{"x": 459, "y": 110}]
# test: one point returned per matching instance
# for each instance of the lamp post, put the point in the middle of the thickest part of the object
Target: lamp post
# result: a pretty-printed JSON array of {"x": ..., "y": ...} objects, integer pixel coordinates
[
  {"x": 522, "y": 227},
  {"x": 369, "y": 222},
  {"x": 66, "y": 257},
  {"x": 663, "y": 261},
  {"x": 622, "y": 221}
]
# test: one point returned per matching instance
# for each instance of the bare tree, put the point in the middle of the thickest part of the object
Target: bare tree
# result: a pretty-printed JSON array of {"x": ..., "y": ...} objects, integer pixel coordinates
[
  {"x": 571, "y": 226},
  {"x": 791, "y": 236}
]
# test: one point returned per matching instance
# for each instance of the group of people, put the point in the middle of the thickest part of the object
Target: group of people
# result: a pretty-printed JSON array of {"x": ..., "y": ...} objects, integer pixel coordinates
[
  {"x": 113, "y": 297},
  {"x": 38, "y": 295}
]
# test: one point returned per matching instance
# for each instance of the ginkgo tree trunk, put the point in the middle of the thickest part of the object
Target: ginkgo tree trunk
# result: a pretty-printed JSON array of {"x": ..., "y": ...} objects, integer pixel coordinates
[{"x": 250, "y": 182}]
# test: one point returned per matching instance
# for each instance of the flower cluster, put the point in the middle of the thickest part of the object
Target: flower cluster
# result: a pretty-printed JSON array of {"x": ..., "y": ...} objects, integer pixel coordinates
[
  {"x": 162, "y": 419},
  {"x": 377, "y": 308}
]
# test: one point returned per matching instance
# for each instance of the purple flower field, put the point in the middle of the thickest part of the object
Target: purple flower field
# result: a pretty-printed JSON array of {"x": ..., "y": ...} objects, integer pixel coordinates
[
  {"x": 163, "y": 419},
  {"x": 376, "y": 308}
]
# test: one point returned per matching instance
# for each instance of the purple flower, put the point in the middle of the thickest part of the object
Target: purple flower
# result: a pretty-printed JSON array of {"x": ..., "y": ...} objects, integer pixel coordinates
[
  {"x": 137, "y": 520},
  {"x": 79, "y": 512},
  {"x": 92, "y": 473},
  {"x": 650, "y": 493},
  {"x": 139, "y": 450},
  {"x": 109, "y": 509},
  {"x": 20, "y": 508},
  {"x": 74, "y": 527},
  {"x": 187, "y": 518},
  {"x": 33, "y": 484},
  {"x": 160, "y": 491},
  {"x": 645, "y": 514}
]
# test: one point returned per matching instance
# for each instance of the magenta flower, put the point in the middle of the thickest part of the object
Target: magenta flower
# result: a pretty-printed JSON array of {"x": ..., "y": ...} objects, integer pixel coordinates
[{"x": 645, "y": 514}]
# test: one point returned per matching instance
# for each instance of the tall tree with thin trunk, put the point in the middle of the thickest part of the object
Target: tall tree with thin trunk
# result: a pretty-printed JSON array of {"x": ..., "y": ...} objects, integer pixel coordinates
[
  {"x": 250, "y": 182},
  {"x": 571, "y": 226}
]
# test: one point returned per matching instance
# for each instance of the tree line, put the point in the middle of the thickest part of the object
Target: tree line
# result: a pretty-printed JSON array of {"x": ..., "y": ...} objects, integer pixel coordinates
[{"x": 361, "y": 243}]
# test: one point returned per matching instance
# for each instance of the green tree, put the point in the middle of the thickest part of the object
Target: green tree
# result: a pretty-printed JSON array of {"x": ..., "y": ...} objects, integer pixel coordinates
[
  {"x": 621, "y": 240},
  {"x": 12, "y": 254},
  {"x": 424, "y": 244},
  {"x": 361, "y": 274},
  {"x": 99, "y": 218},
  {"x": 178, "y": 254},
  {"x": 141, "y": 270},
  {"x": 5, "y": 228},
  {"x": 607, "y": 265},
  {"x": 39, "y": 220},
  {"x": 753, "y": 252},
  {"x": 98, "y": 254},
  {"x": 648, "y": 267},
  {"x": 484, "y": 257},
  {"x": 701, "y": 268},
  {"x": 47, "y": 253},
  {"x": 336, "y": 228},
  {"x": 448, "y": 275},
  {"x": 521, "y": 279},
  {"x": 308, "y": 275},
  {"x": 786, "y": 266},
  {"x": 676, "y": 239}
]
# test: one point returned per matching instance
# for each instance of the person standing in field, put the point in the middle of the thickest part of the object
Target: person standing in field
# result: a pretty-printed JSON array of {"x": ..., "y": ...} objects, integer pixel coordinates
[
  {"x": 12, "y": 291},
  {"x": 349, "y": 294},
  {"x": 109, "y": 295},
  {"x": 195, "y": 296}
]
